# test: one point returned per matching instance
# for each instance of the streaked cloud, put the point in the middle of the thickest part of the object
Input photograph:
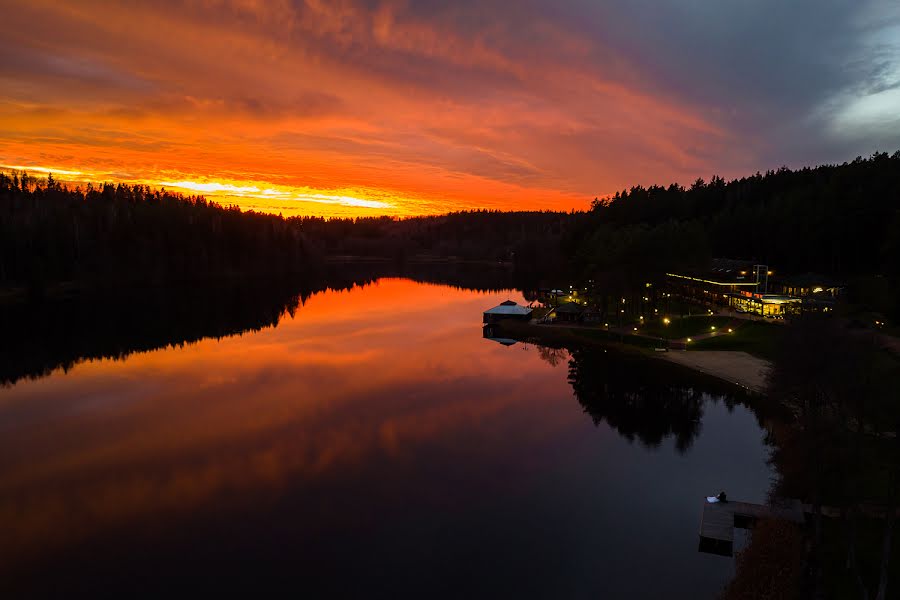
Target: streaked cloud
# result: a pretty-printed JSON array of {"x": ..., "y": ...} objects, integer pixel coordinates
[{"x": 373, "y": 106}]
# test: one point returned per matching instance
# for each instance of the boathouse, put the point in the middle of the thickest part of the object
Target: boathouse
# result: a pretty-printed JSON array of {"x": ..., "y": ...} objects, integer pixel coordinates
[{"x": 507, "y": 310}]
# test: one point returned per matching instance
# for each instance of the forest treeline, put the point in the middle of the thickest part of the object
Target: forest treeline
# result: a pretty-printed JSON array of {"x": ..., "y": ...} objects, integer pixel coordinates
[
  {"x": 832, "y": 219},
  {"x": 838, "y": 220},
  {"x": 115, "y": 233},
  {"x": 111, "y": 234},
  {"x": 529, "y": 241}
]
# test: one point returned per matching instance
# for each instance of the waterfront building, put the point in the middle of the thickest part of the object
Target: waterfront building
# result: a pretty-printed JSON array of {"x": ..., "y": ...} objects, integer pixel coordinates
[{"x": 507, "y": 310}]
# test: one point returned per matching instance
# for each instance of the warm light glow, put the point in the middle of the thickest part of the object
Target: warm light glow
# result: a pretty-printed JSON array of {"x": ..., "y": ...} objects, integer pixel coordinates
[
  {"x": 403, "y": 108},
  {"x": 744, "y": 283},
  {"x": 666, "y": 321},
  {"x": 256, "y": 413}
]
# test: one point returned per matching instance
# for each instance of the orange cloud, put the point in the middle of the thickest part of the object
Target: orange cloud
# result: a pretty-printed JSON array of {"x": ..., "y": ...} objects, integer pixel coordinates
[{"x": 335, "y": 108}]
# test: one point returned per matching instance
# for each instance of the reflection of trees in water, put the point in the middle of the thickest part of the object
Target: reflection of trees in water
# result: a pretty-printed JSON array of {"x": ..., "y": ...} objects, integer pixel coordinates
[
  {"x": 640, "y": 400},
  {"x": 553, "y": 356},
  {"x": 38, "y": 338},
  {"x": 41, "y": 337}
]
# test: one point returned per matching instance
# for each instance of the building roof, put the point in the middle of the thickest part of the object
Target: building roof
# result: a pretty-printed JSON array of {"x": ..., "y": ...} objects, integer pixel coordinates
[
  {"x": 721, "y": 271},
  {"x": 509, "y": 308},
  {"x": 716, "y": 278},
  {"x": 731, "y": 265},
  {"x": 569, "y": 307},
  {"x": 766, "y": 298},
  {"x": 809, "y": 280}
]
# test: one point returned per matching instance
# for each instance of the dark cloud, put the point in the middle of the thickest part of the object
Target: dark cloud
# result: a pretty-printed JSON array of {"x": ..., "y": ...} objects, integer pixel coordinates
[{"x": 473, "y": 101}]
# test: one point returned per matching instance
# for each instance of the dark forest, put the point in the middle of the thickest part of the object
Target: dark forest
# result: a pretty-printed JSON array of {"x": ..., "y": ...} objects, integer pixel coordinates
[{"x": 838, "y": 220}]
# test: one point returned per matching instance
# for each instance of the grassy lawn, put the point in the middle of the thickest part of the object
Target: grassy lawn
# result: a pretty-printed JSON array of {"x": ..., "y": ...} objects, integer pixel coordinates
[
  {"x": 684, "y": 327},
  {"x": 610, "y": 336},
  {"x": 758, "y": 339}
]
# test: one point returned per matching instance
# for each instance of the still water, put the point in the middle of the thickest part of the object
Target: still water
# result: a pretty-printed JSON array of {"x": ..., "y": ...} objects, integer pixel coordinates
[{"x": 372, "y": 444}]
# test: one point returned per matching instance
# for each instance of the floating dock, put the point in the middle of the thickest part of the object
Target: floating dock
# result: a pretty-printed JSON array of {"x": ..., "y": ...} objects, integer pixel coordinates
[{"x": 719, "y": 520}]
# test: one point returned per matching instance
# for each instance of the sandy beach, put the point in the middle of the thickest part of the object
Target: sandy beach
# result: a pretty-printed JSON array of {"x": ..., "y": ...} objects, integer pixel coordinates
[{"x": 736, "y": 367}]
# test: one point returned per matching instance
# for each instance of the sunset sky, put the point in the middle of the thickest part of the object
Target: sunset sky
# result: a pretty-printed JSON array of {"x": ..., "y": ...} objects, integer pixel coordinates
[{"x": 390, "y": 107}]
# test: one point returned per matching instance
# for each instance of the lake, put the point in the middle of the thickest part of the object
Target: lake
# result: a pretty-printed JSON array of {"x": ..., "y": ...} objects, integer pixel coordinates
[{"x": 369, "y": 443}]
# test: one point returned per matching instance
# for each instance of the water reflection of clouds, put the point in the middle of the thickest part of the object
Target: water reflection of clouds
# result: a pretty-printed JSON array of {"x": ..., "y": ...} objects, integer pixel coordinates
[{"x": 173, "y": 430}]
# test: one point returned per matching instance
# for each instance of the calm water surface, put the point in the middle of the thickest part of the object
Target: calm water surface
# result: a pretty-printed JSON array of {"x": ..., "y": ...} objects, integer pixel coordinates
[{"x": 372, "y": 445}]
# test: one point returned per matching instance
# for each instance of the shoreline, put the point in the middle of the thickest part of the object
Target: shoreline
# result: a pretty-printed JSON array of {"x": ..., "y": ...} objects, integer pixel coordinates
[{"x": 735, "y": 367}]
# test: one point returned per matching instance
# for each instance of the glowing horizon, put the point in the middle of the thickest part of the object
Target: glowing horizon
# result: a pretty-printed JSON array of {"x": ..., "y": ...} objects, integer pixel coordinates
[{"x": 389, "y": 107}]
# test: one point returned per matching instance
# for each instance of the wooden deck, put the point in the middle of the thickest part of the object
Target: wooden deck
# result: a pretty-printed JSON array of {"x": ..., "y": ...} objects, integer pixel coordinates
[{"x": 719, "y": 520}]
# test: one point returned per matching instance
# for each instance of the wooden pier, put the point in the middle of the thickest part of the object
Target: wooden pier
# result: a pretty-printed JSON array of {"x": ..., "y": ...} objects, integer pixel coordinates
[{"x": 719, "y": 519}]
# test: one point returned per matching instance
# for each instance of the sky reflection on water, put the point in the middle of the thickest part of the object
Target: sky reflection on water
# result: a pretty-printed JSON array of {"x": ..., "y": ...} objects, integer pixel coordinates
[{"x": 372, "y": 445}]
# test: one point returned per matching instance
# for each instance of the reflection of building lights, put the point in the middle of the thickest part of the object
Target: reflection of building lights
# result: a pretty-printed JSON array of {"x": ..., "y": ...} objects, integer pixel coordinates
[{"x": 816, "y": 290}]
